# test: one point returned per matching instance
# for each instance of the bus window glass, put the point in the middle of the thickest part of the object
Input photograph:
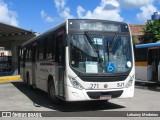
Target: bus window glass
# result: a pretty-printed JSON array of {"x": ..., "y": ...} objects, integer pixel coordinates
[
  {"x": 40, "y": 50},
  {"x": 141, "y": 54},
  {"x": 50, "y": 49},
  {"x": 45, "y": 45},
  {"x": 29, "y": 53},
  {"x": 113, "y": 53}
]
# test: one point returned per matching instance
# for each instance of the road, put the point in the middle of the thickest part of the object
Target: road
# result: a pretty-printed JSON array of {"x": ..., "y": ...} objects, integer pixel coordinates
[{"x": 16, "y": 96}]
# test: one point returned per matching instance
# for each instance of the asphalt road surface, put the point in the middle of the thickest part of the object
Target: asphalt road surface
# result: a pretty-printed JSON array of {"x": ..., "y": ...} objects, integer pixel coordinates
[{"x": 16, "y": 96}]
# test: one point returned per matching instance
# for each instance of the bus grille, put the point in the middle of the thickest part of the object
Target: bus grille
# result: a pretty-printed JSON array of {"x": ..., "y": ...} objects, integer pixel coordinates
[
  {"x": 96, "y": 95},
  {"x": 103, "y": 78}
]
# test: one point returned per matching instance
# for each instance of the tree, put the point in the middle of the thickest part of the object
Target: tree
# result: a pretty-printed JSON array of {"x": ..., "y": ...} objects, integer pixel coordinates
[
  {"x": 134, "y": 40},
  {"x": 152, "y": 32}
]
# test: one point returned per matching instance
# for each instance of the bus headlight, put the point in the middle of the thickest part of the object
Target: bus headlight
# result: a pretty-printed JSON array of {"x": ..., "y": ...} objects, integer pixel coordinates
[
  {"x": 130, "y": 82},
  {"x": 75, "y": 83}
]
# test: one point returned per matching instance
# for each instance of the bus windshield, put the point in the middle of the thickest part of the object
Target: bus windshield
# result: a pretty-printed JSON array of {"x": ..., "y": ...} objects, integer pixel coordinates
[{"x": 92, "y": 53}]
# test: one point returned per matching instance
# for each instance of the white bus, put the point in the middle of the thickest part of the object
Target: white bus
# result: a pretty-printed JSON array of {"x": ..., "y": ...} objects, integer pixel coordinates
[{"x": 81, "y": 60}]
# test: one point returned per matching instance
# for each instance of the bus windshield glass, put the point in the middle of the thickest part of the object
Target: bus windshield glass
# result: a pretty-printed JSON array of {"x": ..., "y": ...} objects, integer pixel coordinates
[{"x": 96, "y": 53}]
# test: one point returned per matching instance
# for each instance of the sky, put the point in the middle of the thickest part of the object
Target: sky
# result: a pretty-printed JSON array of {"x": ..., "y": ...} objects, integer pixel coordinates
[{"x": 41, "y": 15}]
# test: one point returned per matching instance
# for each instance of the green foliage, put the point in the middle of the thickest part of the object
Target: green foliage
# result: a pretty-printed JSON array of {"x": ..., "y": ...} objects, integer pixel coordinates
[
  {"x": 133, "y": 40},
  {"x": 152, "y": 32}
]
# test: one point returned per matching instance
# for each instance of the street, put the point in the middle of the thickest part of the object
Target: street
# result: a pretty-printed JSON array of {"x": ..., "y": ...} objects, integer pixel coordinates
[{"x": 16, "y": 96}]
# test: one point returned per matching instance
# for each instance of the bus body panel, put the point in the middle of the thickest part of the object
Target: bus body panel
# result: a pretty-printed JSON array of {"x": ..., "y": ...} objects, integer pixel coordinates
[
  {"x": 142, "y": 72},
  {"x": 45, "y": 69},
  {"x": 81, "y": 95},
  {"x": 73, "y": 94}
]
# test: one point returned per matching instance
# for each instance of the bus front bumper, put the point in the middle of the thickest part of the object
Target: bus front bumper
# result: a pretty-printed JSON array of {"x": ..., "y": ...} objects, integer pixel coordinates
[{"x": 73, "y": 94}]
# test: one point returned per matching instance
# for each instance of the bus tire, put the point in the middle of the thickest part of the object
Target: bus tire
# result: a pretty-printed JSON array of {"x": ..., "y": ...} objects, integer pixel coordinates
[{"x": 51, "y": 93}]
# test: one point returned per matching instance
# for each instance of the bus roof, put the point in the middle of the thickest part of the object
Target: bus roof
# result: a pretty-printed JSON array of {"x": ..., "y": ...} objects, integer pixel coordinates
[
  {"x": 43, "y": 34},
  {"x": 63, "y": 24},
  {"x": 149, "y": 45}
]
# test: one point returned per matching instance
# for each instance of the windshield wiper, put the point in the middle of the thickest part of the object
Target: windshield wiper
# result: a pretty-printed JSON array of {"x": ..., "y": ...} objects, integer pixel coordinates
[
  {"x": 113, "y": 42},
  {"x": 109, "y": 47},
  {"x": 90, "y": 40},
  {"x": 108, "y": 50}
]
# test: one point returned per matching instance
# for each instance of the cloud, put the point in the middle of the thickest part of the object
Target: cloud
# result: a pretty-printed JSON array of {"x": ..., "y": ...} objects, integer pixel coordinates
[
  {"x": 62, "y": 10},
  {"x": 107, "y": 10},
  {"x": 132, "y": 4},
  {"x": 46, "y": 18},
  {"x": 49, "y": 19},
  {"x": 146, "y": 8},
  {"x": 80, "y": 11},
  {"x": 6, "y": 15},
  {"x": 66, "y": 13},
  {"x": 60, "y": 4},
  {"x": 43, "y": 14},
  {"x": 146, "y": 12},
  {"x": 109, "y": 4}
]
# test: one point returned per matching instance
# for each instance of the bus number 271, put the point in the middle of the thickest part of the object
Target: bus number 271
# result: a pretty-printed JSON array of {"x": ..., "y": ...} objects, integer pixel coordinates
[{"x": 94, "y": 86}]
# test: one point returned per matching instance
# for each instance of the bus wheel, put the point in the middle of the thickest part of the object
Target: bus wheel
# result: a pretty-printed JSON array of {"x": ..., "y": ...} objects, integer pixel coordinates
[{"x": 51, "y": 93}]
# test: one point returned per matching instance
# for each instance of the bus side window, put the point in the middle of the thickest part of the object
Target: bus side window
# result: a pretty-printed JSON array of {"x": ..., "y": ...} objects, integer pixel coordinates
[
  {"x": 45, "y": 45},
  {"x": 40, "y": 50},
  {"x": 140, "y": 55},
  {"x": 29, "y": 53},
  {"x": 50, "y": 49},
  {"x": 24, "y": 57}
]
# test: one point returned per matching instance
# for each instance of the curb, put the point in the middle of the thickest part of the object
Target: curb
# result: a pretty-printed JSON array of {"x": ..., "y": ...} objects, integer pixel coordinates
[
  {"x": 10, "y": 78},
  {"x": 150, "y": 84}
]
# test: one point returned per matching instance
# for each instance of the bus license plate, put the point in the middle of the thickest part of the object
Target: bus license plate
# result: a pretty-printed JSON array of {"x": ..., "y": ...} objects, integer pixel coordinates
[{"x": 105, "y": 97}]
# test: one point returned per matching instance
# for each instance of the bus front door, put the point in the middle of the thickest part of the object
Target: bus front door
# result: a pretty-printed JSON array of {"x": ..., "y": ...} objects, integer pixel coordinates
[{"x": 60, "y": 58}]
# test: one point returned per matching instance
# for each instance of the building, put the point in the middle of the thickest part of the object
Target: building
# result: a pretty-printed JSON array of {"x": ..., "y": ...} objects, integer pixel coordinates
[
  {"x": 155, "y": 16},
  {"x": 137, "y": 32},
  {"x": 137, "y": 29},
  {"x": 11, "y": 38}
]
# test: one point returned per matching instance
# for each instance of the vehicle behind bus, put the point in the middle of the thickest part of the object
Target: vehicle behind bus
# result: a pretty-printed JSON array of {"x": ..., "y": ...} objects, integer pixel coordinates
[
  {"x": 81, "y": 60},
  {"x": 147, "y": 66}
]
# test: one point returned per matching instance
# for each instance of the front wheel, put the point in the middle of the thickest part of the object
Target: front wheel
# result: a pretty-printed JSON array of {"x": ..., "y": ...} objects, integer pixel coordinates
[{"x": 51, "y": 93}]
